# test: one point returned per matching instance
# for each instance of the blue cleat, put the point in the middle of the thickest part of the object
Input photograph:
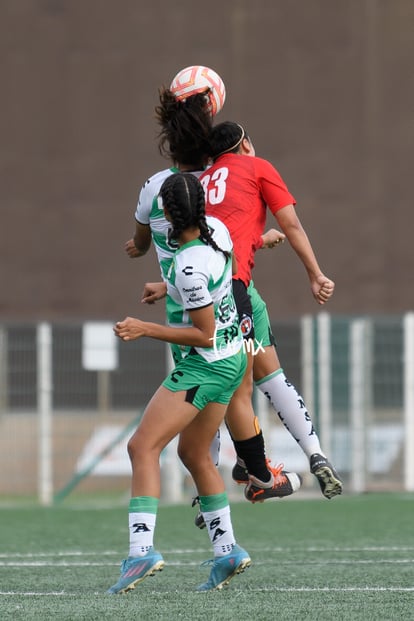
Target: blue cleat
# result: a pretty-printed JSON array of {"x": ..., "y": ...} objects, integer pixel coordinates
[
  {"x": 135, "y": 569},
  {"x": 225, "y": 568}
]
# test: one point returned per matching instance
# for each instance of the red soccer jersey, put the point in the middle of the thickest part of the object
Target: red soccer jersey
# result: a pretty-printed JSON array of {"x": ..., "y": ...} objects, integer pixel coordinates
[{"x": 238, "y": 189}]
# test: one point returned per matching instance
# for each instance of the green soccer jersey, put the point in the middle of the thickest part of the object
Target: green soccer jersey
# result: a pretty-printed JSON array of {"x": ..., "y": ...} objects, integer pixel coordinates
[{"x": 200, "y": 276}]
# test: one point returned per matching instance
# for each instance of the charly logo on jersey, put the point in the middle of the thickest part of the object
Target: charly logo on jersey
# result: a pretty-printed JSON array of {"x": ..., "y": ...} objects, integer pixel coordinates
[{"x": 188, "y": 270}]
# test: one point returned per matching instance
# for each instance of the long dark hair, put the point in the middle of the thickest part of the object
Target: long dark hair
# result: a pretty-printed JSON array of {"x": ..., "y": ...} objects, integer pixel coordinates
[
  {"x": 183, "y": 196},
  {"x": 185, "y": 128},
  {"x": 226, "y": 138}
]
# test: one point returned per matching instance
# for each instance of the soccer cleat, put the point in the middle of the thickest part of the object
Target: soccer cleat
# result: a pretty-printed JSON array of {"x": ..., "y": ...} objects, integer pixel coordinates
[
  {"x": 239, "y": 472},
  {"x": 328, "y": 479},
  {"x": 281, "y": 484},
  {"x": 225, "y": 568},
  {"x": 135, "y": 569},
  {"x": 199, "y": 519}
]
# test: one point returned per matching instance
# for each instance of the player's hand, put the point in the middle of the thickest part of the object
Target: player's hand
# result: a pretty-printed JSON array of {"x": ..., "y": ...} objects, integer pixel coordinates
[
  {"x": 131, "y": 249},
  {"x": 322, "y": 289},
  {"x": 272, "y": 237},
  {"x": 130, "y": 329},
  {"x": 153, "y": 291}
]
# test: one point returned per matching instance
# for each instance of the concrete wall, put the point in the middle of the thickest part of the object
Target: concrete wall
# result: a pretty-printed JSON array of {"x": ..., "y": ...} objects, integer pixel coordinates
[{"x": 324, "y": 88}]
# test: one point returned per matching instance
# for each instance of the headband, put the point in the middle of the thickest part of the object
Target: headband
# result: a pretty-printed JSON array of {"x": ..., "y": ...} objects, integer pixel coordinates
[{"x": 240, "y": 140}]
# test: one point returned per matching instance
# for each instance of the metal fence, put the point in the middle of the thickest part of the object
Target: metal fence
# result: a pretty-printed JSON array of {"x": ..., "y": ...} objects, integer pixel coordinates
[{"x": 68, "y": 402}]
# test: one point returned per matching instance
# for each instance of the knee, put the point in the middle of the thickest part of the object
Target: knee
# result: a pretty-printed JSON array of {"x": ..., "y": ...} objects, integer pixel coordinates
[
  {"x": 133, "y": 448},
  {"x": 194, "y": 456},
  {"x": 186, "y": 453}
]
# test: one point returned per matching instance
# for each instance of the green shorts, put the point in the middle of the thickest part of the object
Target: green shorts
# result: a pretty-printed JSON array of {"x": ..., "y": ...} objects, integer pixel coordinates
[
  {"x": 262, "y": 329},
  {"x": 207, "y": 382}
]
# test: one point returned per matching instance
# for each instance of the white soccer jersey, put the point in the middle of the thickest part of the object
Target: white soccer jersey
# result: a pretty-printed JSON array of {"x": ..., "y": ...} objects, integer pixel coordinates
[
  {"x": 150, "y": 211},
  {"x": 200, "y": 276}
]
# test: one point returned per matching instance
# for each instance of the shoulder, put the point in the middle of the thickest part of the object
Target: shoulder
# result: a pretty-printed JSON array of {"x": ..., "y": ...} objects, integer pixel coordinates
[
  {"x": 220, "y": 233},
  {"x": 215, "y": 224},
  {"x": 156, "y": 180},
  {"x": 147, "y": 199},
  {"x": 191, "y": 262},
  {"x": 266, "y": 168}
]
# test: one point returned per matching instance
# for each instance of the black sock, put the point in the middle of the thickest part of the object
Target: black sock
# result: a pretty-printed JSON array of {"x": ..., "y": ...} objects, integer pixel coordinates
[{"x": 252, "y": 452}]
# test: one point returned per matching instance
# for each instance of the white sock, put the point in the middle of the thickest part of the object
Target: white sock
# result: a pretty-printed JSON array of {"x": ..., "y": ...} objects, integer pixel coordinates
[
  {"x": 219, "y": 528},
  {"x": 141, "y": 532},
  {"x": 291, "y": 410}
]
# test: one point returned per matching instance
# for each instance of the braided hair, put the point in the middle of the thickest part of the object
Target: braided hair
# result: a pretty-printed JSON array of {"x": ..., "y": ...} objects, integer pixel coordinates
[
  {"x": 226, "y": 138},
  {"x": 185, "y": 128},
  {"x": 183, "y": 196}
]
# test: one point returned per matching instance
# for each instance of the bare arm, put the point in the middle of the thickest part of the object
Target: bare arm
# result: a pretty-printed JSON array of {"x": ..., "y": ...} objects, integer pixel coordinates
[
  {"x": 322, "y": 286},
  {"x": 140, "y": 243},
  {"x": 200, "y": 334},
  {"x": 272, "y": 237}
]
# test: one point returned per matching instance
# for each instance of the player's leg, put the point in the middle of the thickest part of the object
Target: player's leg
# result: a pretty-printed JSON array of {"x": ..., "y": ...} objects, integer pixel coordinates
[
  {"x": 194, "y": 449},
  {"x": 172, "y": 408},
  {"x": 286, "y": 401},
  {"x": 243, "y": 424},
  {"x": 165, "y": 416}
]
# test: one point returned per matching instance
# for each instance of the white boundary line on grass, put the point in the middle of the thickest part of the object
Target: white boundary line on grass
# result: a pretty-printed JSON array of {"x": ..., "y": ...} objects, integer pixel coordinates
[
  {"x": 52, "y": 563},
  {"x": 83, "y": 553},
  {"x": 261, "y": 590}
]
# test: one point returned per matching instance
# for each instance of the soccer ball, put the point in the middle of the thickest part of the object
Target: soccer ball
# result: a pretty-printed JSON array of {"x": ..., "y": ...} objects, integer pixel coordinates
[{"x": 197, "y": 79}]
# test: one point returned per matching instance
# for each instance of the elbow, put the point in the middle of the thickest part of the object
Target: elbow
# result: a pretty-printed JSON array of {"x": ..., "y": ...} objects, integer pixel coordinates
[
  {"x": 207, "y": 342},
  {"x": 207, "y": 339}
]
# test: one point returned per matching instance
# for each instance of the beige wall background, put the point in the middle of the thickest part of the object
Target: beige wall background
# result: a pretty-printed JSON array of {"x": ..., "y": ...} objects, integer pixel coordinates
[{"x": 324, "y": 88}]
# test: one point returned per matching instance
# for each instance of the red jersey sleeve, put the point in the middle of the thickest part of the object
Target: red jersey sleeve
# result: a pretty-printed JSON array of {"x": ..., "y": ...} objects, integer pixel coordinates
[{"x": 273, "y": 189}]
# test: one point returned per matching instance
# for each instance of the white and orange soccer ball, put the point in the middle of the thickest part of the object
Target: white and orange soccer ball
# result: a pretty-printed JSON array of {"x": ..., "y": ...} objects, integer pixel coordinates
[{"x": 197, "y": 79}]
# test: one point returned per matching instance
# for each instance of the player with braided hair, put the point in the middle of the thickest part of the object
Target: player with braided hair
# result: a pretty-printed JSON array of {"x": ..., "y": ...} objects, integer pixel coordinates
[
  {"x": 185, "y": 131},
  {"x": 194, "y": 215},
  {"x": 193, "y": 399}
]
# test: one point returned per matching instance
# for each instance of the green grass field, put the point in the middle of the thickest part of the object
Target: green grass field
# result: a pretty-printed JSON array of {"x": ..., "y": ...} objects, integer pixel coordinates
[{"x": 349, "y": 558}]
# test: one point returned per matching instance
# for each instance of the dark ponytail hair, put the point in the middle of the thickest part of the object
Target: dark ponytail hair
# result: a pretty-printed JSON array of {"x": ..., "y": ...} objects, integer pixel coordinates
[
  {"x": 185, "y": 128},
  {"x": 226, "y": 138},
  {"x": 183, "y": 197}
]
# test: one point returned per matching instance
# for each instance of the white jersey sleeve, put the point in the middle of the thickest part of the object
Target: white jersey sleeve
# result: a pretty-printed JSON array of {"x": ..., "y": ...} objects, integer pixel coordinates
[
  {"x": 148, "y": 196},
  {"x": 193, "y": 286}
]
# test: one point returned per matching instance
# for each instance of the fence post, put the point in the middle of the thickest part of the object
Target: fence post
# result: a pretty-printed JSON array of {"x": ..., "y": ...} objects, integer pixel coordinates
[
  {"x": 409, "y": 401},
  {"x": 44, "y": 407},
  {"x": 307, "y": 363},
  {"x": 325, "y": 384},
  {"x": 359, "y": 381},
  {"x": 3, "y": 370}
]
